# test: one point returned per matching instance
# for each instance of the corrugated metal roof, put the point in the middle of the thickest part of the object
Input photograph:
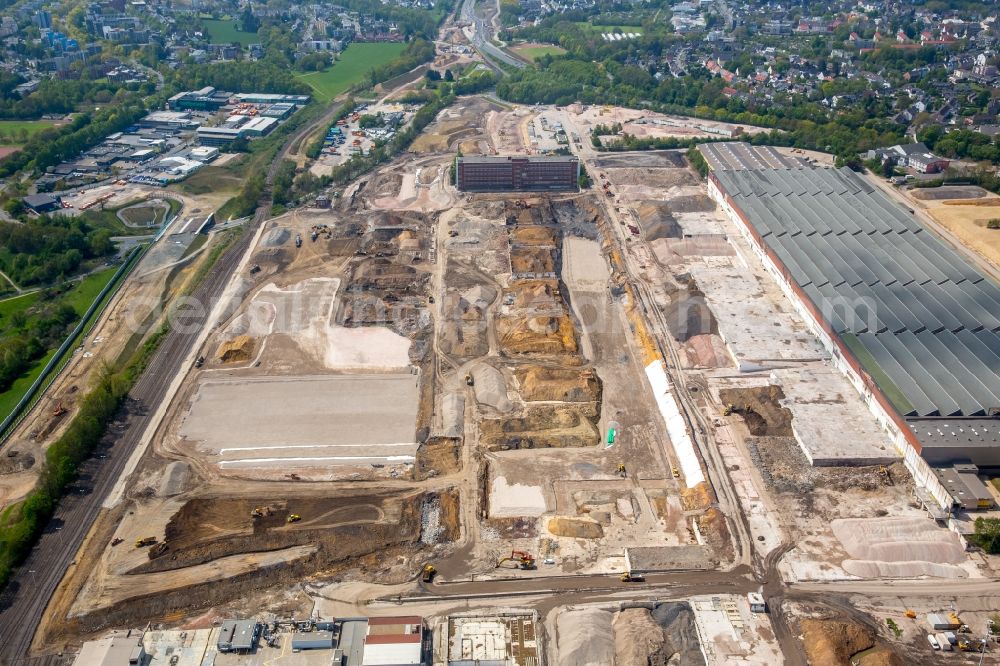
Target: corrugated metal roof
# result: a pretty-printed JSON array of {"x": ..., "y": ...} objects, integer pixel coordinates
[{"x": 928, "y": 318}]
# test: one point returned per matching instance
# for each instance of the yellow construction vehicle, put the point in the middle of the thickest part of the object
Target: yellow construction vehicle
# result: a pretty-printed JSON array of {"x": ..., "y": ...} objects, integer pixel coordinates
[
  {"x": 260, "y": 511},
  {"x": 675, "y": 472},
  {"x": 730, "y": 408},
  {"x": 883, "y": 471},
  {"x": 621, "y": 471},
  {"x": 522, "y": 559},
  {"x": 293, "y": 518},
  {"x": 145, "y": 541},
  {"x": 629, "y": 577},
  {"x": 911, "y": 614},
  {"x": 427, "y": 575}
]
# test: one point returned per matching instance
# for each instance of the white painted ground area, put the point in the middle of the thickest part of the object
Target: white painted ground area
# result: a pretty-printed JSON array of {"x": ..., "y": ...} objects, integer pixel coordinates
[
  {"x": 305, "y": 312},
  {"x": 305, "y": 421},
  {"x": 515, "y": 500}
]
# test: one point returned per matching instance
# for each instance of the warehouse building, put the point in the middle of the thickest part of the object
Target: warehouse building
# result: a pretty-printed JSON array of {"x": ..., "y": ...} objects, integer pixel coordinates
[
  {"x": 394, "y": 641},
  {"x": 913, "y": 326},
  {"x": 206, "y": 99},
  {"x": 488, "y": 173}
]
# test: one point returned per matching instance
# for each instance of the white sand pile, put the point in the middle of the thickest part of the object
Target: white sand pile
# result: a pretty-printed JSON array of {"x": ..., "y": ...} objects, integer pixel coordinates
[
  {"x": 453, "y": 414},
  {"x": 899, "y": 547},
  {"x": 275, "y": 237},
  {"x": 515, "y": 500},
  {"x": 491, "y": 389},
  {"x": 584, "y": 637}
]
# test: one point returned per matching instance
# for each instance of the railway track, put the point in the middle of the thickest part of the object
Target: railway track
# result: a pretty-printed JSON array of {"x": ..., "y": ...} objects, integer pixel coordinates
[{"x": 24, "y": 599}]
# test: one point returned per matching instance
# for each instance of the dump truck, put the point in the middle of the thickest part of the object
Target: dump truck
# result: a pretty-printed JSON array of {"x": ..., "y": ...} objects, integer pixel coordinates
[
  {"x": 199, "y": 362},
  {"x": 298, "y": 240},
  {"x": 145, "y": 541},
  {"x": 293, "y": 518},
  {"x": 428, "y": 573},
  {"x": 629, "y": 577}
]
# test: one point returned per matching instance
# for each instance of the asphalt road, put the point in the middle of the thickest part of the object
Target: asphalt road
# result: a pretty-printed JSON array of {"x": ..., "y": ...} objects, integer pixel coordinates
[
  {"x": 24, "y": 599},
  {"x": 481, "y": 39}
]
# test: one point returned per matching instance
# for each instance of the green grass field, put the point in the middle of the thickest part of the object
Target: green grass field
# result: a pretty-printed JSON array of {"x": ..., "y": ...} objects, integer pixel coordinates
[
  {"x": 610, "y": 28},
  {"x": 351, "y": 68},
  {"x": 79, "y": 296},
  {"x": 226, "y": 32},
  {"x": 536, "y": 52},
  {"x": 10, "y": 129}
]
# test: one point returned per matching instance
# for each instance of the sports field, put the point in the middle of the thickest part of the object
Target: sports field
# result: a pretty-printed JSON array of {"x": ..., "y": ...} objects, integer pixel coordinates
[
  {"x": 351, "y": 68},
  {"x": 11, "y": 130},
  {"x": 226, "y": 32},
  {"x": 536, "y": 51}
]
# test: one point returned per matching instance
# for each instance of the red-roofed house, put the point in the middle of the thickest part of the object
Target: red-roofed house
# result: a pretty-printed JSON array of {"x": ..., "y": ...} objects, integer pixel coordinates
[{"x": 394, "y": 641}]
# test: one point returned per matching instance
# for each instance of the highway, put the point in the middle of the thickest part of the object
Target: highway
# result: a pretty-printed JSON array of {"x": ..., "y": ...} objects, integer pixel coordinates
[
  {"x": 24, "y": 599},
  {"x": 481, "y": 39}
]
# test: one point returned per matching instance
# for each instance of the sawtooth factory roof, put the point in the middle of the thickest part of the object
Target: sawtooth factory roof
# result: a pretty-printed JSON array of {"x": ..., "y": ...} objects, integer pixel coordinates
[{"x": 923, "y": 322}]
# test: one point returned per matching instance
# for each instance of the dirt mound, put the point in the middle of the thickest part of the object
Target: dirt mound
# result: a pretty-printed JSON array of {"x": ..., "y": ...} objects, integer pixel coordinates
[
  {"x": 543, "y": 427},
  {"x": 537, "y": 335},
  {"x": 584, "y": 637},
  {"x": 656, "y": 221},
  {"x": 761, "y": 410},
  {"x": 576, "y": 528},
  {"x": 533, "y": 294},
  {"x": 239, "y": 349},
  {"x": 681, "y": 636},
  {"x": 534, "y": 235},
  {"x": 899, "y": 548},
  {"x": 438, "y": 456},
  {"x": 688, "y": 314},
  {"x": 834, "y": 642},
  {"x": 945, "y": 192},
  {"x": 275, "y": 237},
  {"x": 882, "y": 656},
  {"x": 692, "y": 203},
  {"x": 532, "y": 261},
  {"x": 637, "y": 637},
  {"x": 491, "y": 388},
  {"x": 538, "y": 383}
]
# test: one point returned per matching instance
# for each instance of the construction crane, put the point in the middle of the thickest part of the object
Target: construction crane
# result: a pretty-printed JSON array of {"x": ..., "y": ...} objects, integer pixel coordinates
[{"x": 522, "y": 559}]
